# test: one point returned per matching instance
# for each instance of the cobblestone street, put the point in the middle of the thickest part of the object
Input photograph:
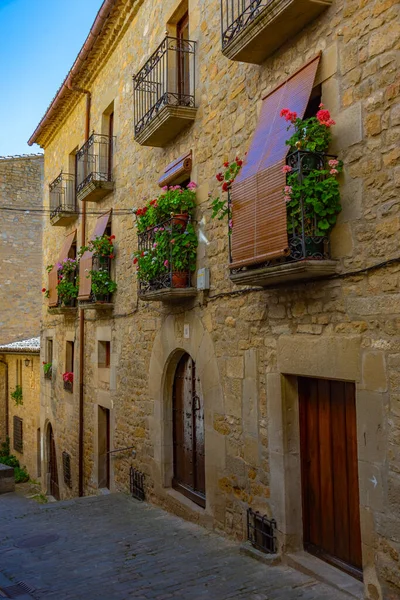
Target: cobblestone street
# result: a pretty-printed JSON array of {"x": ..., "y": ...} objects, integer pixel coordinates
[{"x": 112, "y": 547}]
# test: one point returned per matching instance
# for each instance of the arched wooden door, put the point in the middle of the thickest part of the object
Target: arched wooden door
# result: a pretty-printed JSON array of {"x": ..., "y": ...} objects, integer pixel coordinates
[
  {"x": 52, "y": 466},
  {"x": 188, "y": 432}
]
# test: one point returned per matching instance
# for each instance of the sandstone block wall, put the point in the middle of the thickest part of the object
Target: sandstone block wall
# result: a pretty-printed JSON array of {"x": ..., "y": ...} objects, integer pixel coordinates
[
  {"x": 28, "y": 411},
  {"x": 21, "y": 186},
  {"x": 250, "y": 345}
]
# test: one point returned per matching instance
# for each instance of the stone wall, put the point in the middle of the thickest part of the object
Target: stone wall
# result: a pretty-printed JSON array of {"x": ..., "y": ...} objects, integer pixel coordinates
[
  {"x": 21, "y": 186},
  {"x": 28, "y": 411},
  {"x": 249, "y": 345}
]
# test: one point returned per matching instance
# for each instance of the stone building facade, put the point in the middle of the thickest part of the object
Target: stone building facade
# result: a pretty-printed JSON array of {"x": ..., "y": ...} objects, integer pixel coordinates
[
  {"x": 21, "y": 189},
  {"x": 20, "y": 418},
  {"x": 255, "y": 347}
]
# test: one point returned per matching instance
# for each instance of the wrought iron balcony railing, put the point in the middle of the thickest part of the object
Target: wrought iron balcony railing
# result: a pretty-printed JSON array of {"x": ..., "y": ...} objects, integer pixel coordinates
[
  {"x": 62, "y": 197},
  {"x": 251, "y": 30},
  {"x": 236, "y": 15},
  {"x": 166, "y": 80},
  {"x": 94, "y": 167},
  {"x": 164, "y": 268},
  {"x": 99, "y": 295}
]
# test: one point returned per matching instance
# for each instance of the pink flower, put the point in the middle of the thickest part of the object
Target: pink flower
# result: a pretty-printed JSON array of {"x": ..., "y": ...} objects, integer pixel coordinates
[
  {"x": 321, "y": 105},
  {"x": 230, "y": 225},
  {"x": 287, "y": 169},
  {"x": 155, "y": 245},
  {"x": 333, "y": 163},
  {"x": 289, "y": 115},
  {"x": 324, "y": 118},
  {"x": 172, "y": 241},
  {"x": 287, "y": 198},
  {"x": 333, "y": 171},
  {"x": 191, "y": 186},
  {"x": 288, "y": 190},
  {"x": 165, "y": 188},
  {"x": 166, "y": 263}
]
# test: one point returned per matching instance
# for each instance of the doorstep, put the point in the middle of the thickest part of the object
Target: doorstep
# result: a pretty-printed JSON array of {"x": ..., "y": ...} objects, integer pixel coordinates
[{"x": 322, "y": 571}]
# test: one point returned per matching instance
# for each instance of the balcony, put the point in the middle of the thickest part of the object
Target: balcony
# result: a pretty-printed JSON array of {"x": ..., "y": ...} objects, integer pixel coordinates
[
  {"x": 63, "y": 209},
  {"x": 94, "y": 168},
  {"x": 101, "y": 284},
  {"x": 164, "y": 93},
  {"x": 166, "y": 261},
  {"x": 308, "y": 252},
  {"x": 253, "y": 29}
]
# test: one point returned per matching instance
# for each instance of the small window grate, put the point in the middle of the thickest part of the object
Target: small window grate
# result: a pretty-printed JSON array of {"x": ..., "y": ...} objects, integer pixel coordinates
[
  {"x": 137, "y": 484},
  {"x": 66, "y": 459},
  {"x": 261, "y": 532},
  {"x": 18, "y": 439},
  {"x": 17, "y": 590}
]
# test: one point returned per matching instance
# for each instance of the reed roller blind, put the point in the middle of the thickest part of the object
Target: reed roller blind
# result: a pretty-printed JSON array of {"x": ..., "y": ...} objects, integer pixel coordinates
[
  {"x": 53, "y": 275},
  {"x": 259, "y": 230},
  {"x": 85, "y": 264},
  {"x": 177, "y": 171}
]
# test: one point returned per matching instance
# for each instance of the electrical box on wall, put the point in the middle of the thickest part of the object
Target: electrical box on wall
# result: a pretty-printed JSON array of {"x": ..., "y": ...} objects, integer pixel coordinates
[{"x": 203, "y": 279}]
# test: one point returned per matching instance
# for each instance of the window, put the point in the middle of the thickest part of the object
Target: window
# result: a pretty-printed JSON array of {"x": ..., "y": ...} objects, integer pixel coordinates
[
  {"x": 104, "y": 353},
  {"x": 18, "y": 372},
  {"x": 49, "y": 350},
  {"x": 18, "y": 440},
  {"x": 69, "y": 357}
]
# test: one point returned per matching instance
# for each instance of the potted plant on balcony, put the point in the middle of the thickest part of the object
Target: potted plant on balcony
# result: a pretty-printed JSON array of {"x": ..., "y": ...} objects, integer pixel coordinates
[
  {"x": 68, "y": 379},
  {"x": 312, "y": 191},
  {"x": 175, "y": 201},
  {"x": 102, "y": 286},
  {"x": 183, "y": 254},
  {"x": 68, "y": 282},
  {"x": 47, "y": 369}
]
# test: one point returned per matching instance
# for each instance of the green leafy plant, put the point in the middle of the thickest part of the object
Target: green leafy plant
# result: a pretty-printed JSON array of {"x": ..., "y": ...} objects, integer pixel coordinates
[
  {"x": 47, "y": 367},
  {"x": 319, "y": 192},
  {"x": 173, "y": 249},
  {"x": 17, "y": 395},
  {"x": 173, "y": 200},
  {"x": 102, "y": 284},
  {"x": 68, "y": 282},
  {"x": 20, "y": 473},
  {"x": 102, "y": 245},
  {"x": 219, "y": 204},
  {"x": 311, "y": 134}
]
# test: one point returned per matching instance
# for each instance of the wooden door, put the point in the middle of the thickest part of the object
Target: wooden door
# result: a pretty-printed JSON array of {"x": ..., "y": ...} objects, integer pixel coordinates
[
  {"x": 104, "y": 447},
  {"x": 330, "y": 494},
  {"x": 54, "y": 486},
  {"x": 182, "y": 30},
  {"x": 188, "y": 432}
]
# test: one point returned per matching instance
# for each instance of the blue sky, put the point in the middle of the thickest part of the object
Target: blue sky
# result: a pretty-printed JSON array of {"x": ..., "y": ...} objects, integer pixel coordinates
[{"x": 39, "y": 41}]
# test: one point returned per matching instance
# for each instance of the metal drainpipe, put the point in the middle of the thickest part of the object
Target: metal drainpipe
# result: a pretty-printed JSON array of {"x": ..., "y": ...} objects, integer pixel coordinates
[
  {"x": 6, "y": 394},
  {"x": 82, "y": 314}
]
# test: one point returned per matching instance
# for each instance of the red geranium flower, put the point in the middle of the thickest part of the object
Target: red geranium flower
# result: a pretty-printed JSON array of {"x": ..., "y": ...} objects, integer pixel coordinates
[
  {"x": 239, "y": 162},
  {"x": 219, "y": 176},
  {"x": 225, "y": 186},
  {"x": 43, "y": 289},
  {"x": 226, "y": 164},
  {"x": 112, "y": 256},
  {"x": 135, "y": 261}
]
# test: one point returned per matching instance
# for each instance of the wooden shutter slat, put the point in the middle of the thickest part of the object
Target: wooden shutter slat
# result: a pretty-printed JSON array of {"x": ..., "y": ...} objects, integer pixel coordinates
[
  {"x": 258, "y": 207},
  {"x": 53, "y": 275},
  {"x": 177, "y": 170},
  {"x": 85, "y": 264}
]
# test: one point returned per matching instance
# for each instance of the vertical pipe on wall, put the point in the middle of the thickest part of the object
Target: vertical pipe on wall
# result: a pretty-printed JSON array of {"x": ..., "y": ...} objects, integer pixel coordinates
[
  {"x": 6, "y": 396},
  {"x": 82, "y": 324}
]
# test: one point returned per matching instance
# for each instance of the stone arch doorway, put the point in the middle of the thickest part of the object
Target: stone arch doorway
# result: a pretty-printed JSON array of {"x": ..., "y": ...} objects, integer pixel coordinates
[
  {"x": 188, "y": 432},
  {"x": 52, "y": 471}
]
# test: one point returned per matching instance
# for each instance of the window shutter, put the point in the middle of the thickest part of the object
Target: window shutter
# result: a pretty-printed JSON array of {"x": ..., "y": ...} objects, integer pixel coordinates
[
  {"x": 85, "y": 263},
  {"x": 53, "y": 275},
  {"x": 18, "y": 439},
  {"x": 177, "y": 171},
  {"x": 258, "y": 209}
]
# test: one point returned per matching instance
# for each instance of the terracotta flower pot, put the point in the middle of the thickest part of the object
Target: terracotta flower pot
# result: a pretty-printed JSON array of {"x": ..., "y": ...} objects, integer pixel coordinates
[
  {"x": 180, "y": 220},
  {"x": 180, "y": 279}
]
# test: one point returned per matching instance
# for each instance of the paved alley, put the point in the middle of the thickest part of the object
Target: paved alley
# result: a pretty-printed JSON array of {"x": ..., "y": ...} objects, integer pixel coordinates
[{"x": 115, "y": 548}]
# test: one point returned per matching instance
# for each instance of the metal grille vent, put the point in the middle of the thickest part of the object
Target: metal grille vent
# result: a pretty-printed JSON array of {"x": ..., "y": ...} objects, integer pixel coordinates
[
  {"x": 14, "y": 591},
  {"x": 137, "y": 484},
  {"x": 261, "y": 532},
  {"x": 66, "y": 459},
  {"x": 18, "y": 440}
]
